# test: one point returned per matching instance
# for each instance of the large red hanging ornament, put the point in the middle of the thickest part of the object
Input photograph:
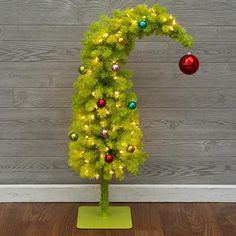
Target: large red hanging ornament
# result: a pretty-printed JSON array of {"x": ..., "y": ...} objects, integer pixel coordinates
[
  {"x": 101, "y": 103},
  {"x": 189, "y": 64},
  {"x": 108, "y": 158}
]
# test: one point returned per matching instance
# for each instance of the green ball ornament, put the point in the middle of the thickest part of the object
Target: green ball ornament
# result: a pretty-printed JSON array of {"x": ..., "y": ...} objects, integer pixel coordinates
[
  {"x": 142, "y": 24},
  {"x": 132, "y": 105},
  {"x": 82, "y": 70},
  {"x": 73, "y": 136}
]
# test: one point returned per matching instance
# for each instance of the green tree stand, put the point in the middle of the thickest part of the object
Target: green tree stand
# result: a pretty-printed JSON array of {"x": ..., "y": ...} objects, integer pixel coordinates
[{"x": 105, "y": 134}]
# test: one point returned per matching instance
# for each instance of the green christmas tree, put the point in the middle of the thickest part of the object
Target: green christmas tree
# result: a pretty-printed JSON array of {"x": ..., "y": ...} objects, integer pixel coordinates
[{"x": 106, "y": 139}]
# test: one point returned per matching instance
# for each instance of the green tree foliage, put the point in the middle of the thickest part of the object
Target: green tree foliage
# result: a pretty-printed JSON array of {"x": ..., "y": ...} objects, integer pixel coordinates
[{"x": 109, "y": 41}]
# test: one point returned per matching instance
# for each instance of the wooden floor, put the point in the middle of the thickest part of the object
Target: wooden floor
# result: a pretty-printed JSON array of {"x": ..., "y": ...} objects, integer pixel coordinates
[{"x": 149, "y": 219}]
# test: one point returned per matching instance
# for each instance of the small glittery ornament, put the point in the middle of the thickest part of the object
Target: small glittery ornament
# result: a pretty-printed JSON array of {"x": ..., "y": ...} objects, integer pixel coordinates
[
  {"x": 101, "y": 103},
  {"x": 73, "y": 136},
  {"x": 189, "y": 64},
  {"x": 115, "y": 67},
  {"x": 108, "y": 158},
  {"x": 142, "y": 24},
  {"x": 104, "y": 133},
  {"x": 82, "y": 69},
  {"x": 132, "y": 105},
  {"x": 130, "y": 149}
]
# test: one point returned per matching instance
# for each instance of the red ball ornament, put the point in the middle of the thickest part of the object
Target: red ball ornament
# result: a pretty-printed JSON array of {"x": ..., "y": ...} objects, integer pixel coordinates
[
  {"x": 108, "y": 158},
  {"x": 101, "y": 103},
  {"x": 189, "y": 64}
]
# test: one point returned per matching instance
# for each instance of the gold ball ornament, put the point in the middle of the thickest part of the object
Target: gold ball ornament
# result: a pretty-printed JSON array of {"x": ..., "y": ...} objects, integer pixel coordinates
[
  {"x": 121, "y": 40},
  {"x": 82, "y": 70},
  {"x": 73, "y": 136},
  {"x": 130, "y": 149}
]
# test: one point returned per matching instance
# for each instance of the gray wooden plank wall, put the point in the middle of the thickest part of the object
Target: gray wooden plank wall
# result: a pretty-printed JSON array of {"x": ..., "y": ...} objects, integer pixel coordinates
[{"x": 189, "y": 123}]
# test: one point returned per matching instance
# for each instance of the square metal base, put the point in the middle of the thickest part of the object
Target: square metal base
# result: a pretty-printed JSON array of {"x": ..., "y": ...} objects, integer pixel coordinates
[{"x": 90, "y": 217}]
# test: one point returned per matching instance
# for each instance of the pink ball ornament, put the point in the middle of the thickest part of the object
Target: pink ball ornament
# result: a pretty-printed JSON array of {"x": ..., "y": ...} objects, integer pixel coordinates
[
  {"x": 115, "y": 67},
  {"x": 104, "y": 133},
  {"x": 101, "y": 103}
]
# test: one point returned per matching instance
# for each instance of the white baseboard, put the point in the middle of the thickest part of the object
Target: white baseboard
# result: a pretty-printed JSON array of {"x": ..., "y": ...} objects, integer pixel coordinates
[{"x": 118, "y": 193}]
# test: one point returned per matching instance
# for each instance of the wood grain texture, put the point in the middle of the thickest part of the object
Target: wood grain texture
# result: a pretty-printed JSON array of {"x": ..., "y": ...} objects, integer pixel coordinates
[
  {"x": 6, "y": 99},
  {"x": 156, "y": 123},
  {"x": 157, "y": 170},
  {"x": 166, "y": 97},
  {"x": 73, "y": 33},
  {"x": 168, "y": 147},
  {"x": 81, "y": 12},
  {"x": 156, "y": 75},
  {"x": 149, "y": 219},
  {"x": 36, "y": 51},
  {"x": 188, "y": 122}
]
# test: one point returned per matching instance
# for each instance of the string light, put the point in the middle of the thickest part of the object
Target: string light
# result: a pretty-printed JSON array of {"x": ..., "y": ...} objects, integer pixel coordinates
[
  {"x": 121, "y": 167},
  {"x": 89, "y": 72},
  {"x": 96, "y": 60},
  {"x": 121, "y": 151},
  {"x": 86, "y": 161},
  {"x": 105, "y": 35},
  {"x": 111, "y": 172},
  {"x": 114, "y": 128},
  {"x": 86, "y": 137}
]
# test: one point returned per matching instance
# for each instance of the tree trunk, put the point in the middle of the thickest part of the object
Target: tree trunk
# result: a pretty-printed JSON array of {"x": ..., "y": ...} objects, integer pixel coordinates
[{"x": 104, "y": 200}]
